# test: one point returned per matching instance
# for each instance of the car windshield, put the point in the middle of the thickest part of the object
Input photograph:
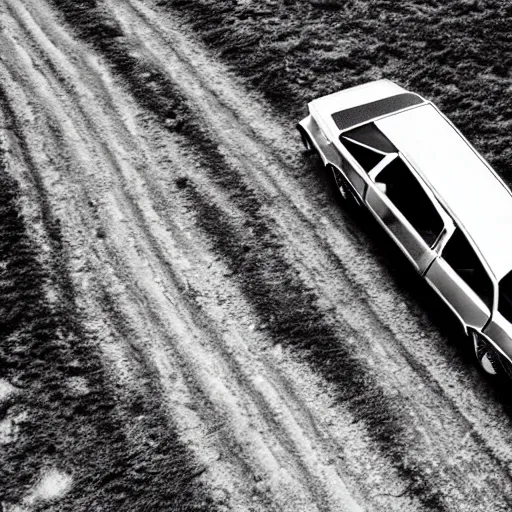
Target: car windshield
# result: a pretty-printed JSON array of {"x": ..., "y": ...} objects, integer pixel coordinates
[{"x": 505, "y": 298}]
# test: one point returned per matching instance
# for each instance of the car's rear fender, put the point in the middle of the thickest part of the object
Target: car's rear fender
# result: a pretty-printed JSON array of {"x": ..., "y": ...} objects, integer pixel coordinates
[{"x": 310, "y": 129}]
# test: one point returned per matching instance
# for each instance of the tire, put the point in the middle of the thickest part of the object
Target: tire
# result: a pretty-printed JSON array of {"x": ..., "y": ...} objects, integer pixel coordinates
[
  {"x": 343, "y": 189},
  {"x": 489, "y": 359},
  {"x": 486, "y": 356},
  {"x": 308, "y": 145}
]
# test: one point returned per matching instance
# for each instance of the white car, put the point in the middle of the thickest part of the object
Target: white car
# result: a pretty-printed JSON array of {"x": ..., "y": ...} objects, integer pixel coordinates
[{"x": 396, "y": 154}]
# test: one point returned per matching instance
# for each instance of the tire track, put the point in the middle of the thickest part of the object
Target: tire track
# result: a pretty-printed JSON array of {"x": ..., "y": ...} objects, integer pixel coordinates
[
  {"x": 150, "y": 258},
  {"x": 71, "y": 418},
  {"x": 216, "y": 123},
  {"x": 147, "y": 401},
  {"x": 154, "y": 300}
]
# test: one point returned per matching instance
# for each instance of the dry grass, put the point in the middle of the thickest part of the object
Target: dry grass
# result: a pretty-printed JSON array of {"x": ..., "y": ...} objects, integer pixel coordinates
[
  {"x": 47, "y": 355},
  {"x": 456, "y": 53}
]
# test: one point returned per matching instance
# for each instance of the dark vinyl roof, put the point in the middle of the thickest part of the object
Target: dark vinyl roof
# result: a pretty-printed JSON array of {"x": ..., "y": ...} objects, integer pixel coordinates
[{"x": 362, "y": 113}]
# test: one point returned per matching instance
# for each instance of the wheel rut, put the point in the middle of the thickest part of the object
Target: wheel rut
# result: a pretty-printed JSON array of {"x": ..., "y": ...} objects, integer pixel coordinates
[
  {"x": 60, "y": 112},
  {"x": 211, "y": 111},
  {"x": 212, "y": 272}
]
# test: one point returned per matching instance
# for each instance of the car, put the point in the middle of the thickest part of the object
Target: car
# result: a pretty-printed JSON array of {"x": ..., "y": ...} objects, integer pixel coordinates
[{"x": 394, "y": 153}]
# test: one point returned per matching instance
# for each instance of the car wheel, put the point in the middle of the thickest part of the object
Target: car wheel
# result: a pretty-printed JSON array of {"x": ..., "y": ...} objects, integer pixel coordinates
[
  {"x": 308, "y": 145},
  {"x": 487, "y": 357},
  {"x": 339, "y": 181},
  {"x": 343, "y": 188}
]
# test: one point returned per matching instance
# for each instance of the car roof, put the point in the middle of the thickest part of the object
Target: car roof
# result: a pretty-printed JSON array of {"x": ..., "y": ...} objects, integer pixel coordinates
[
  {"x": 462, "y": 180},
  {"x": 355, "y": 97},
  {"x": 353, "y": 116}
]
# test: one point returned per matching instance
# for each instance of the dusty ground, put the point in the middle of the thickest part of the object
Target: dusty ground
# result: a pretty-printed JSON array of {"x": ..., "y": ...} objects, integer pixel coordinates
[{"x": 189, "y": 320}]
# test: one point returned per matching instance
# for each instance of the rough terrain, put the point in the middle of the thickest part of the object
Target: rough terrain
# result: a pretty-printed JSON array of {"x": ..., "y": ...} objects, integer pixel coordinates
[{"x": 189, "y": 320}]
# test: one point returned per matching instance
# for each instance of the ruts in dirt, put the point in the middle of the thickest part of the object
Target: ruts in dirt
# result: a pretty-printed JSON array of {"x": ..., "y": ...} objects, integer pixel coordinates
[{"x": 216, "y": 333}]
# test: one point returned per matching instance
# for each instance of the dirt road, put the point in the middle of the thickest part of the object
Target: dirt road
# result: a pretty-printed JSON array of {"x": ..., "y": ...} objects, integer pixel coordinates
[{"x": 234, "y": 311}]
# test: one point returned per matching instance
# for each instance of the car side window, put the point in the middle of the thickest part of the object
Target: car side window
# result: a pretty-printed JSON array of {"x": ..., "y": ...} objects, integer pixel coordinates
[
  {"x": 461, "y": 256},
  {"x": 406, "y": 193}
]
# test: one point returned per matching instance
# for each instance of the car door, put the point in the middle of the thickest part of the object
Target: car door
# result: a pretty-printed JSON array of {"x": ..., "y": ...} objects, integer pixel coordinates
[
  {"x": 460, "y": 278},
  {"x": 406, "y": 209}
]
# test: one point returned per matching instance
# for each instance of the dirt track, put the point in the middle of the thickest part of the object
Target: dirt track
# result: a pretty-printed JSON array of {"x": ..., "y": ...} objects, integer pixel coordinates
[{"x": 206, "y": 262}]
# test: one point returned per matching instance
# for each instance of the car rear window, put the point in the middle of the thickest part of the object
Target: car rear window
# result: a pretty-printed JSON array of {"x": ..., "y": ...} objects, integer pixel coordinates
[
  {"x": 368, "y": 145},
  {"x": 362, "y": 113},
  {"x": 371, "y": 136}
]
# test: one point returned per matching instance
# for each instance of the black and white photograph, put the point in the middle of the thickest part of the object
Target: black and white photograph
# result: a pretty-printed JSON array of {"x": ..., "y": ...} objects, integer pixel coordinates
[{"x": 255, "y": 256}]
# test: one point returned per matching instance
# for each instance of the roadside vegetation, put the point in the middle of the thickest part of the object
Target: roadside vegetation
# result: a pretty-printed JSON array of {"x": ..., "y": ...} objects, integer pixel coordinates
[{"x": 457, "y": 54}]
